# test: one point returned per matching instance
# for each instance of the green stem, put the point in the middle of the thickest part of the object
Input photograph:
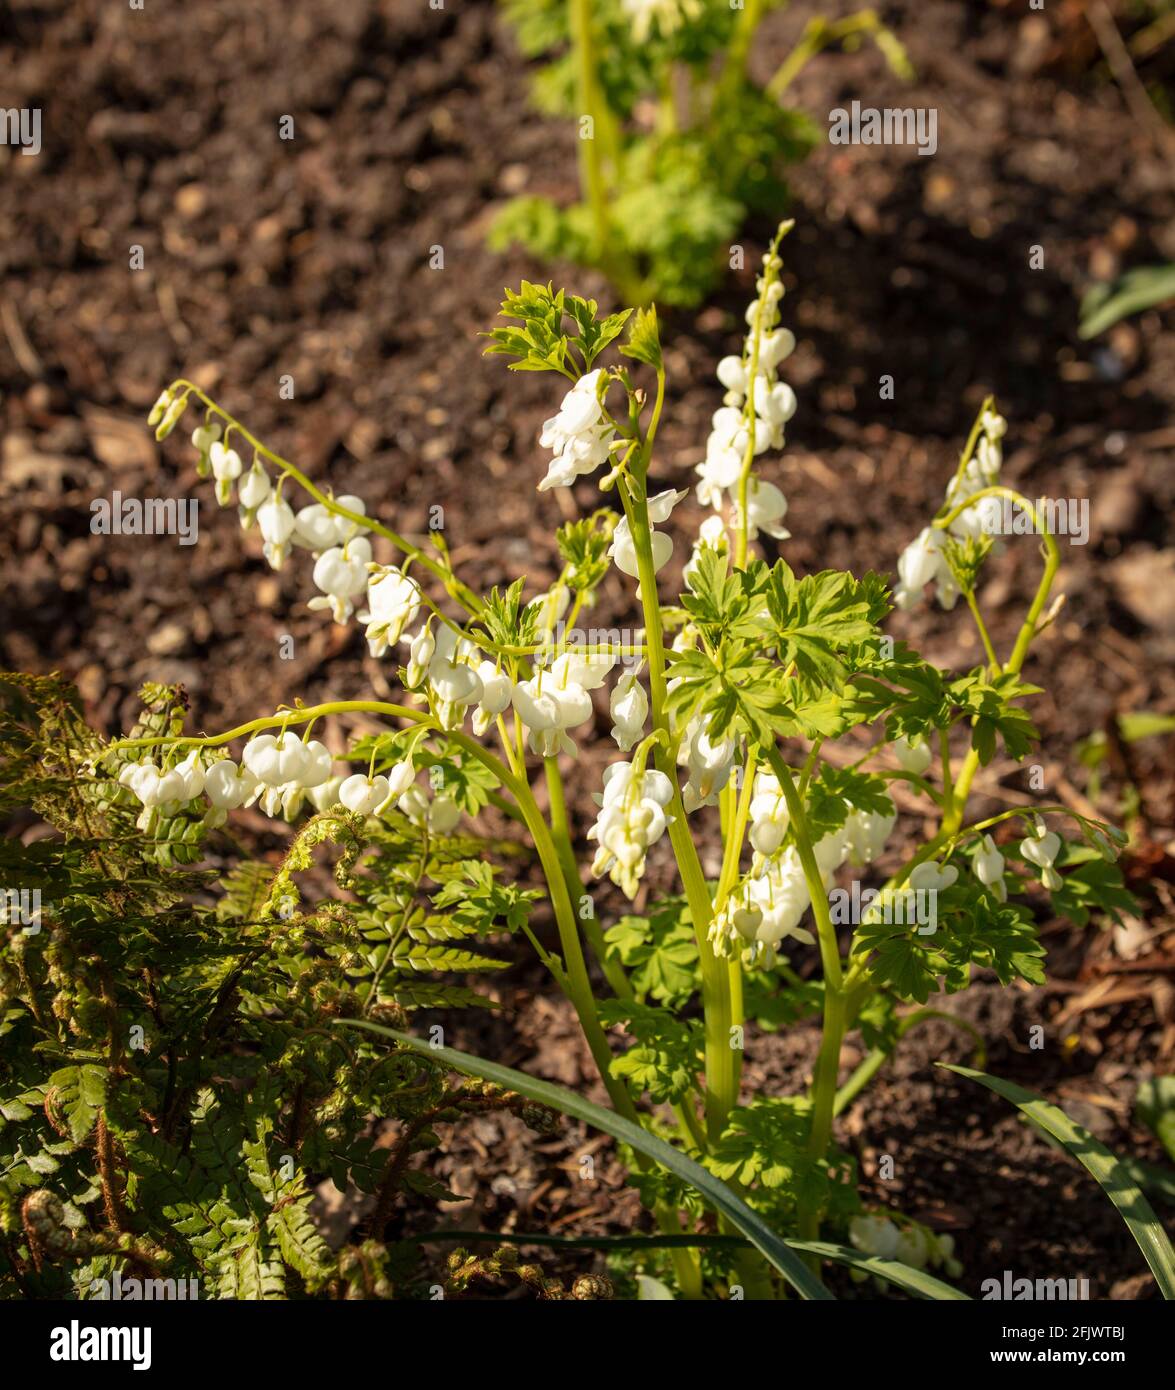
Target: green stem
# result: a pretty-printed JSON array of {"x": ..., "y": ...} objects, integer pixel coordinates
[
  {"x": 876, "y": 1059},
  {"x": 722, "y": 1059},
  {"x": 561, "y": 834}
]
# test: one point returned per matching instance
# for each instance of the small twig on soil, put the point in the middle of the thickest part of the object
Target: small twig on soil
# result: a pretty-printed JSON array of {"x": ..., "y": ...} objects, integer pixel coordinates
[{"x": 1118, "y": 58}]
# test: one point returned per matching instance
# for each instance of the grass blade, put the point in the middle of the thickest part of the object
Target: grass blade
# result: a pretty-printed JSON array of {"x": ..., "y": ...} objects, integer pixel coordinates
[
  {"x": 1114, "y": 1176},
  {"x": 793, "y": 1269}
]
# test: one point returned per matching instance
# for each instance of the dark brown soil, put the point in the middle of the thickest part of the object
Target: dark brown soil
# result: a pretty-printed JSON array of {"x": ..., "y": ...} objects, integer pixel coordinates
[{"x": 310, "y": 258}]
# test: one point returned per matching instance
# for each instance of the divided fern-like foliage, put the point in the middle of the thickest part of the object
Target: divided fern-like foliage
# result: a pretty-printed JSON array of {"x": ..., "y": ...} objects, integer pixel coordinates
[{"x": 172, "y": 1085}]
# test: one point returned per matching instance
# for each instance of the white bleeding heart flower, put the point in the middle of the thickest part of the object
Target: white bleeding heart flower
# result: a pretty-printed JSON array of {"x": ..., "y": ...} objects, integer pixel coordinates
[
  {"x": 315, "y": 528},
  {"x": 775, "y": 347},
  {"x": 586, "y": 669},
  {"x": 989, "y": 868},
  {"x": 766, "y": 508},
  {"x": 154, "y": 787},
  {"x": 275, "y": 759},
  {"x": 191, "y": 769},
  {"x": 579, "y": 434},
  {"x": 764, "y": 911},
  {"x": 623, "y": 547},
  {"x": 629, "y": 708},
  {"x": 454, "y": 682},
  {"x": 326, "y": 795},
  {"x": 768, "y": 814},
  {"x": 921, "y": 562},
  {"x": 275, "y": 519},
  {"x": 932, "y": 877},
  {"x": 362, "y": 794},
  {"x": 876, "y": 1236},
  {"x": 867, "y": 834},
  {"x": 226, "y": 469},
  {"x": 341, "y": 573},
  {"x": 440, "y": 815},
  {"x": 393, "y": 601},
  {"x": 546, "y": 713},
  {"x": 1040, "y": 851},
  {"x": 708, "y": 767},
  {"x": 632, "y": 819},
  {"x": 228, "y": 786},
  {"x": 255, "y": 487},
  {"x": 400, "y": 777},
  {"x": 913, "y": 754},
  {"x": 496, "y": 690},
  {"x": 443, "y": 814},
  {"x": 318, "y": 765},
  {"x": 421, "y": 650},
  {"x": 203, "y": 438}
]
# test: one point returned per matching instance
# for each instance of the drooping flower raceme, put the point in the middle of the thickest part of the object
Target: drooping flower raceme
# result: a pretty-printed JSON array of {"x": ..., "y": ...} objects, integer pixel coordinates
[
  {"x": 632, "y": 819},
  {"x": 924, "y": 560},
  {"x": 753, "y": 415},
  {"x": 558, "y": 699},
  {"x": 579, "y": 434}
]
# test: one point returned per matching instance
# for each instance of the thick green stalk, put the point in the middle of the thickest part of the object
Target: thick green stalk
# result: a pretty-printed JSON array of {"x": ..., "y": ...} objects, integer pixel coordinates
[
  {"x": 561, "y": 834},
  {"x": 591, "y": 174},
  {"x": 721, "y": 1058}
]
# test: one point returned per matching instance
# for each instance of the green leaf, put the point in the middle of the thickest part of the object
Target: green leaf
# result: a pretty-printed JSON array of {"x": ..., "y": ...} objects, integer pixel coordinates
[
  {"x": 902, "y": 1276},
  {"x": 644, "y": 339},
  {"x": 81, "y": 1093},
  {"x": 1115, "y": 1179},
  {"x": 569, "y": 1103},
  {"x": 1139, "y": 289},
  {"x": 1155, "y": 1106},
  {"x": 660, "y": 952},
  {"x": 666, "y": 1054},
  {"x": 817, "y": 619}
]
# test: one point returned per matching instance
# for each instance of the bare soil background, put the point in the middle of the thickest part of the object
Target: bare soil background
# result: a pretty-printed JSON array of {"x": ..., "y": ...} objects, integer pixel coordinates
[{"x": 311, "y": 258}]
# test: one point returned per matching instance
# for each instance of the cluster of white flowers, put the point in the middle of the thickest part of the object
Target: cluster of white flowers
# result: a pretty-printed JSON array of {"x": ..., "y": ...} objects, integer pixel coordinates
[
  {"x": 664, "y": 15},
  {"x": 632, "y": 819},
  {"x": 772, "y": 404},
  {"x": 910, "y": 1244},
  {"x": 767, "y": 906},
  {"x": 281, "y": 772},
  {"x": 557, "y": 698},
  {"x": 344, "y": 569},
  {"x": 924, "y": 559},
  {"x": 580, "y": 434}
]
